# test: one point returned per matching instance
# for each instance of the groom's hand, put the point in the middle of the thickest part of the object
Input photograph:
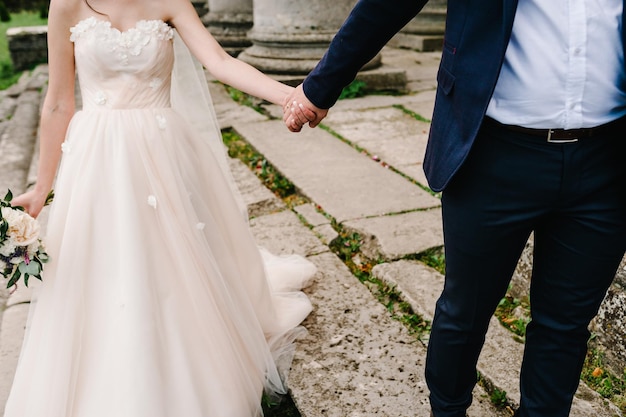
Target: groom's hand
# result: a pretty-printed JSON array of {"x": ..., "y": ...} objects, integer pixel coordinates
[{"x": 298, "y": 111}]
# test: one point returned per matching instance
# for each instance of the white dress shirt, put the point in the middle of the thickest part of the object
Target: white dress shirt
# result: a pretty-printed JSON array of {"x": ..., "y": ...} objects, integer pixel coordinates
[{"x": 564, "y": 66}]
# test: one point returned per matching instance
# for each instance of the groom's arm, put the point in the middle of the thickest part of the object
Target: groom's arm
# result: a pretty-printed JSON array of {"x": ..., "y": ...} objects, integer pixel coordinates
[{"x": 371, "y": 24}]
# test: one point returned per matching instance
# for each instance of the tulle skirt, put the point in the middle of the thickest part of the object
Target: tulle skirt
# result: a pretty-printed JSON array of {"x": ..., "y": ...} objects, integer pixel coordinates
[{"x": 157, "y": 301}]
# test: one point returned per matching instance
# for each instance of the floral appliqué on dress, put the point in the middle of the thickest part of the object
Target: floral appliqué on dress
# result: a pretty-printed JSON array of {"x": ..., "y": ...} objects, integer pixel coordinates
[{"x": 124, "y": 43}]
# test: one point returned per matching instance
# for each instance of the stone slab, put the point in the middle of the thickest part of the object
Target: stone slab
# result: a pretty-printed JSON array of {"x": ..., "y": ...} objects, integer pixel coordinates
[
  {"x": 230, "y": 113},
  {"x": 422, "y": 103},
  {"x": 372, "y": 123},
  {"x": 394, "y": 237},
  {"x": 326, "y": 233},
  {"x": 311, "y": 215},
  {"x": 226, "y": 109},
  {"x": 414, "y": 172},
  {"x": 346, "y": 184},
  {"x": 257, "y": 197},
  {"x": 284, "y": 233},
  {"x": 319, "y": 223},
  {"x": 388, "y": 134},
  {"x": 501, "y": 357},
  {"x": 7, "y": 107}
]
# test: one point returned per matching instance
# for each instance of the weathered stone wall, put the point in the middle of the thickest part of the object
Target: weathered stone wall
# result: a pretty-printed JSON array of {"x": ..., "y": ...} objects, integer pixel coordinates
[
  {"x": 608, "y": 328},
  {"x": 28, "y": 46}
]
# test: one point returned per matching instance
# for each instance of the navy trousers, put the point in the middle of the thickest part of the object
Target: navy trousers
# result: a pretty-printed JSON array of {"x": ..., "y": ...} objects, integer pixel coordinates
[{"x": 573, "y": 197}]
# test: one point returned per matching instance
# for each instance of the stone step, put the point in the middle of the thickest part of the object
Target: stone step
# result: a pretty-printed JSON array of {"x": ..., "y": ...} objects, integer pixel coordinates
[
  {"x": 346, "y": 184},
  {"x": 394, "y": 237}
]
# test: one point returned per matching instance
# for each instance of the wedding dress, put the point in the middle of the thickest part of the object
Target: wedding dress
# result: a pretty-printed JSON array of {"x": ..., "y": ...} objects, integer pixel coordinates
[{"x": 157, "y": 301}]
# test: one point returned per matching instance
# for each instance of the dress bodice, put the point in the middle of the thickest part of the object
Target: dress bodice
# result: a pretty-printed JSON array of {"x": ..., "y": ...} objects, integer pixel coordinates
[{"x": 123, "y": 69}]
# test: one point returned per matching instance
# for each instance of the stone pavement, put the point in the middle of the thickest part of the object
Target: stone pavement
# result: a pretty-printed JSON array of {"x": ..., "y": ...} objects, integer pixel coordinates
[{"x": 362, "y": 174}]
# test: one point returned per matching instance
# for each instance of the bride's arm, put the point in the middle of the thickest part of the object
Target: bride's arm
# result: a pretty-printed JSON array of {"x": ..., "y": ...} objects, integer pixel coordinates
[
  {"x": 58, "y": 105},
  {"x": 218, "y": 62}
]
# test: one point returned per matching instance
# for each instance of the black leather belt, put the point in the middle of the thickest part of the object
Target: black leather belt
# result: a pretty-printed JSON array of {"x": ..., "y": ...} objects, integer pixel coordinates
[{"x": 564, "y": 135}]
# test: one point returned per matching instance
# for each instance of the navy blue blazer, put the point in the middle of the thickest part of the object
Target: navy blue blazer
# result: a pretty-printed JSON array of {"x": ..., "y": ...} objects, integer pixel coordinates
[{"x": 476, "y": 36}]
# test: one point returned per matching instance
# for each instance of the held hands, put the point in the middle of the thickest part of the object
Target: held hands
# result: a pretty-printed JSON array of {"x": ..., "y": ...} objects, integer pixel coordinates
[{"x": 298, "y": 111}]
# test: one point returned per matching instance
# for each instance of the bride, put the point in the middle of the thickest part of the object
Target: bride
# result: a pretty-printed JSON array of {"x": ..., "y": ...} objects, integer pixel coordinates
[{"x": 157, "y": 301}]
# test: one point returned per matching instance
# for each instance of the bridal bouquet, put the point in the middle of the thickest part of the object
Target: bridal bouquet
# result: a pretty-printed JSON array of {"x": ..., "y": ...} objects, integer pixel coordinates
[{"x": 21, "y": 251}]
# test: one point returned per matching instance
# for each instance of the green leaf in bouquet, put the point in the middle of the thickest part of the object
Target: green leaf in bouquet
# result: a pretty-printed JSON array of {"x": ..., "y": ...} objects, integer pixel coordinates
[
  {"x": 49, "y": 198},
  {"x": 4, "y": 229},
  {"x": 13, "y": 280},
  {"x": 43, "y": 257},
  {"x": 8, "y": 197},
  {"x": 32, "y": 268}
]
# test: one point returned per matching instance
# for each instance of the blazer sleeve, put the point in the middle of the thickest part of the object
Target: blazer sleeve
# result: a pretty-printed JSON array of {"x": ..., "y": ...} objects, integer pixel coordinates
[{"x": 370, "y": 25}]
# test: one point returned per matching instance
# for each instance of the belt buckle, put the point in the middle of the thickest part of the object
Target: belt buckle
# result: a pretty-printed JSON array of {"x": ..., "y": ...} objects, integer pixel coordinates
[{"x": 549, "y": 139}]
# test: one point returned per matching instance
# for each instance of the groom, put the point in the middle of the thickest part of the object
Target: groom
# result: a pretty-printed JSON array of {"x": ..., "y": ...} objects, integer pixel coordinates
[{"x": 528, "y": 135}]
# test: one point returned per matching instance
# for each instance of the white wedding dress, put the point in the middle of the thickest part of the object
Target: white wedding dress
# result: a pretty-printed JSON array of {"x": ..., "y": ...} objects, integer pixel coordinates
[{"x": 157, "y": 301}]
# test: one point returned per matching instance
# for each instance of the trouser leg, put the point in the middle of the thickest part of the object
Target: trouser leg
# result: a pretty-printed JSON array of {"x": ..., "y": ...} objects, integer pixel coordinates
[
  {"x": 578, "y": 248},
  {"x": 509, "y": 186}
]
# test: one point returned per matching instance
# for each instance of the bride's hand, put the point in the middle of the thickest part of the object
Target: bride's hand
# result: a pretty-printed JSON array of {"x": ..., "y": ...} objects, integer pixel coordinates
[
  {"x": 32, "y": 201},
  {"x": 298, "y": 111}
]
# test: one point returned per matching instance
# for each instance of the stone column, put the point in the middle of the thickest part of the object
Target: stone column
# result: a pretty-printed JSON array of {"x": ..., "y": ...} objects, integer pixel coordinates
[
  {"x": 290, "y": 36},
  {"x": 425, "y": 31},
  {"x": 201, "y": 6},
  {"x": 229, "y": 22}
]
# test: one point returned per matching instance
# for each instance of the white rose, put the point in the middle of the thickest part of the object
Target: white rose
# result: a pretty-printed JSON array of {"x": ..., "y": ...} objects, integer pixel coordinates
[
  {"x": 23, "y": 229},
  {"x": 33, "y": 248},
  {"x": 8, "y": 248}
]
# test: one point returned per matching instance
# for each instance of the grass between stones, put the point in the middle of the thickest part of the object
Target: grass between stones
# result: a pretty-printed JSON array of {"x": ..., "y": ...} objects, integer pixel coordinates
[
  {"x": 347, "y": 247},
  {"x": 411, "y": 113}
]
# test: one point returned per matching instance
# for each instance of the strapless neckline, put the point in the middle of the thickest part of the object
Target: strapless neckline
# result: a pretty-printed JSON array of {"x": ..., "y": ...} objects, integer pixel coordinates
[{"x": 92, "y": 21}]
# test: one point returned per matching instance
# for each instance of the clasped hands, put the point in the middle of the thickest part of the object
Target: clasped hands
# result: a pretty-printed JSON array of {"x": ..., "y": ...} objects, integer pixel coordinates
[{"x": 298, "y": 111}]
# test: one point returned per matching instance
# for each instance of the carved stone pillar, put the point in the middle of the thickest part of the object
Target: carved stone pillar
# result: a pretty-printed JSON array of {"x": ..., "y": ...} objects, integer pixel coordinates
[
  {"x": 229, "y": 22},
  {"x": 425, "y": 31},
  {"x": 290, "y": 36}
]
